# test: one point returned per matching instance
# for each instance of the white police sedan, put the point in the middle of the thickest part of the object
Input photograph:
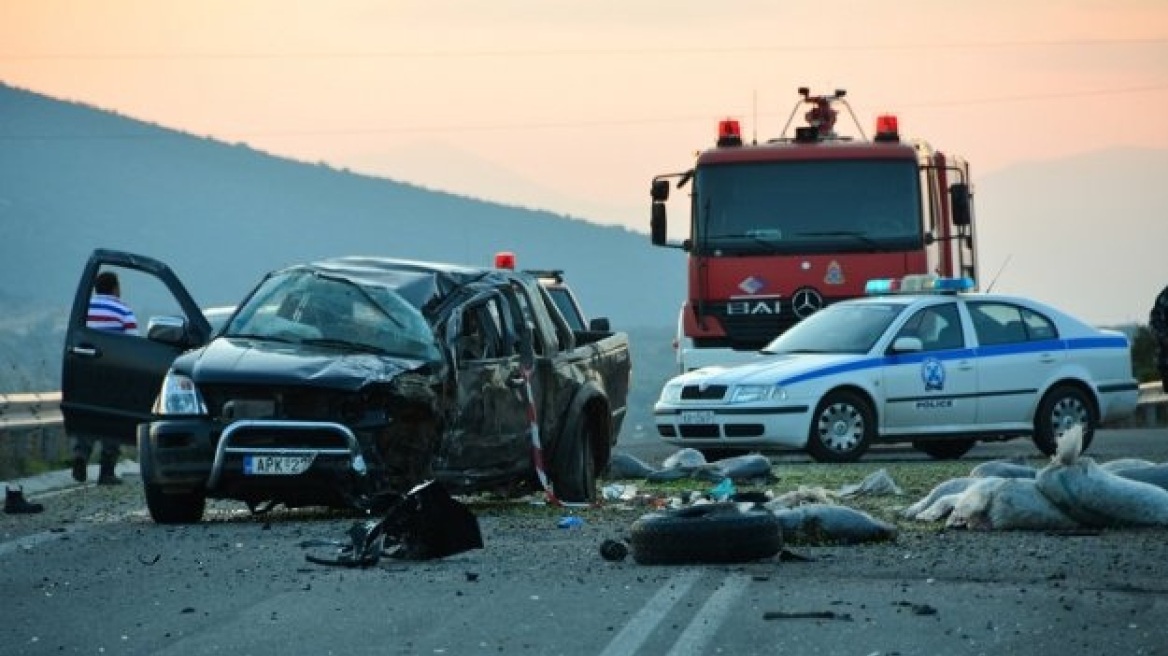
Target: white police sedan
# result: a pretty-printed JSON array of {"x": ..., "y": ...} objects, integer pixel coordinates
[{"x": 921, "y": 360}]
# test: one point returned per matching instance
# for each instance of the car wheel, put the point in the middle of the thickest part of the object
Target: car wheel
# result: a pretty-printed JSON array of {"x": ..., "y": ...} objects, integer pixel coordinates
[
  {"x": 944, "y": 449},
  {"x": 706, "y": 533},
  {"x": 1063, "y": 407},
  {"x": 174, "y": 507},
  {"x": 842, "y": 428},
  {"x": 574, "y": 468}
]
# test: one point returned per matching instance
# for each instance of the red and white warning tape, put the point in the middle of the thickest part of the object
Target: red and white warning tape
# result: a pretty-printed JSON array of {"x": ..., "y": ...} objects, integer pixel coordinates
[{"x": 537, "y": 449}]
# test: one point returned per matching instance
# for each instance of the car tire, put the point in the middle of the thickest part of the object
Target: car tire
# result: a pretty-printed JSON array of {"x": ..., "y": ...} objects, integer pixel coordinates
[
  {"x": 706, "y": 533},
  {"x": 842, "y": 428},
  {"x": 1063, "y": 407},
  {"x": 573, "y": 471},
  {"x": 174, "y": 507},
  {"x": 944, "y": 449}
]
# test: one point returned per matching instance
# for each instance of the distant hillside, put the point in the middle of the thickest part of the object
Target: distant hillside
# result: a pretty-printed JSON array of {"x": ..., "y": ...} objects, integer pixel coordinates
[{"x": 73, "y": 178}]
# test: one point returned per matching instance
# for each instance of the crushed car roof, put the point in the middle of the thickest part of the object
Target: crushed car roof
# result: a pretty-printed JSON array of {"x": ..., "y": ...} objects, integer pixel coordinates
[{"x": 420, "y": 283}]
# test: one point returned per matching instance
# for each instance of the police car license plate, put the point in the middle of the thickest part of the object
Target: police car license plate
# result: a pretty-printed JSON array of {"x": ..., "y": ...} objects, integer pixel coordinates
[
  {"x": 276, "y": 465},
  {"x": 703, "y": 417}
]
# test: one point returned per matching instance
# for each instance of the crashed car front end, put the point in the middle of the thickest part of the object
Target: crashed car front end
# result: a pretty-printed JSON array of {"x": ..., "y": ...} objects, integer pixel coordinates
[{"x": 321, "y": 391}]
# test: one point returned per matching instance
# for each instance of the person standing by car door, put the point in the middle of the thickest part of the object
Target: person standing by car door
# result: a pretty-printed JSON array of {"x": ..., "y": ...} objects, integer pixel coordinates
[
  {"x": 1158, "y": 320},
  {"x": 107, "y": 312}
]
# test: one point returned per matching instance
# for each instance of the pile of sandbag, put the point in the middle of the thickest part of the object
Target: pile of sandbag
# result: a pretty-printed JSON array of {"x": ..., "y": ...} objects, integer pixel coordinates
[{"x": 1072, "y": 491}]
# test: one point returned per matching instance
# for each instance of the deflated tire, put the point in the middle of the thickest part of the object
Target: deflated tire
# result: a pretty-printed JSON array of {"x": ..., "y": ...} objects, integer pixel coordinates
[{"x": 706, "y": 533}]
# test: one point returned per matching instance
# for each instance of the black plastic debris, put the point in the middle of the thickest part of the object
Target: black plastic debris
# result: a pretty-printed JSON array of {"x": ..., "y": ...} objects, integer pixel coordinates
[
  {"x": 423, "y": 524},
  {"x": 613, "y": 550}
]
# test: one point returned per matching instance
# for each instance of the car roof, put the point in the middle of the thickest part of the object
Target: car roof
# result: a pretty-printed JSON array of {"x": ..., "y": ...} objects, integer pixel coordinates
[{"x": 418, "y": 282}]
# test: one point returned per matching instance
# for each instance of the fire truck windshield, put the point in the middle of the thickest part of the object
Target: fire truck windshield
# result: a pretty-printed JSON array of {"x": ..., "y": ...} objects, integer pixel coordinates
[{"x": 807, "y": 206}]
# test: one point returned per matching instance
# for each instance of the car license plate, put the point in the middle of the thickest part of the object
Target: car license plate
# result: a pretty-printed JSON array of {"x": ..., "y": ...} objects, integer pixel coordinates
[
  {"x": 702, "y": 417},
  {"x": 276, "y": 465}
]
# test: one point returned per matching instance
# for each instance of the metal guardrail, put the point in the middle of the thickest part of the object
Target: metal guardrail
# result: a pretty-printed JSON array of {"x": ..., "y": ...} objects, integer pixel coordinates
[
  {"x": 43, "y": 409},
  {"x": 19, "y": 411}
]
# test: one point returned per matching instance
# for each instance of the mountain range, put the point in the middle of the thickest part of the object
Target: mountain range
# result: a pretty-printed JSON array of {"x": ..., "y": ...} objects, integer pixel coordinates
[{"x": 74, "y": 178}]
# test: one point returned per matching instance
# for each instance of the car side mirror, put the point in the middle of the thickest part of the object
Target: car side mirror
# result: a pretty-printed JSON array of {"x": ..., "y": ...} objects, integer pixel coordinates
[
  {"x": 907, "y": 345},
  {"x": 599, "y": 324},
  {"x": 657, "y": 230},
  {"x": 959, "y": 198},
  {"x": 659, "y": 191},
  {"x": 167, "y": 330}
]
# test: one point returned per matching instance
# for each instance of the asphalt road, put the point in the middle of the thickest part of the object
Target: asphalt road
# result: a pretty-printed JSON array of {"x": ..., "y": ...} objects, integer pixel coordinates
[{"x": 93, "y": 575}]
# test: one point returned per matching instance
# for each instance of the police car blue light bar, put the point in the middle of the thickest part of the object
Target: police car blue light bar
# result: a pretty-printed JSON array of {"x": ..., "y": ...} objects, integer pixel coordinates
[{"x": 918, "y": 284}]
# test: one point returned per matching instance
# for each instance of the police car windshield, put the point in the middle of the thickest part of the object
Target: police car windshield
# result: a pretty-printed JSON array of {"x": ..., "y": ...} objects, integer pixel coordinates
[{"x": 841, "y": 328}]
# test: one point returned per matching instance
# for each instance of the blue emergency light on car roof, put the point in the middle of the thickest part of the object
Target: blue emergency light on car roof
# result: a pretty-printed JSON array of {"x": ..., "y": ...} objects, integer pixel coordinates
[{"x": 918, "y": 284}]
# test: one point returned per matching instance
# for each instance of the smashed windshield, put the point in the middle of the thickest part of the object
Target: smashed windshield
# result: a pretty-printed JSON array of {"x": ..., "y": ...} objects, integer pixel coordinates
[
  {"x": 841, "y": 328},
  {"x": 307, "y": 307},
  {"x": 808, "y": 206}
]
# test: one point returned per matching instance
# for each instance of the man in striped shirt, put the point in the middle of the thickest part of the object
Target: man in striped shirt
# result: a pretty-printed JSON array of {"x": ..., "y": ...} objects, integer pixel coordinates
[
  {"x": 107, "y": 313},
  {"x": 106, "y": 309}
]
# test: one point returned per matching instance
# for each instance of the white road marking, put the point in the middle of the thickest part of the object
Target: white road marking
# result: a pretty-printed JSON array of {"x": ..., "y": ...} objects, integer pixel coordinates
[
  {"x": 709, "y": 619},
  {"x": 642, "y": 625}
]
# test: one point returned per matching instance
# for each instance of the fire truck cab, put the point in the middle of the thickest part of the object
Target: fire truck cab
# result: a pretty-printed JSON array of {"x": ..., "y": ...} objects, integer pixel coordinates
[{"x": 780, "y": 229}]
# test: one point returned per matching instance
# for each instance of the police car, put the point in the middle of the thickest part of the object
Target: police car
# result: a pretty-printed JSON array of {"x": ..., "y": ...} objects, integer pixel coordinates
[{"x": 922, "y": 359}]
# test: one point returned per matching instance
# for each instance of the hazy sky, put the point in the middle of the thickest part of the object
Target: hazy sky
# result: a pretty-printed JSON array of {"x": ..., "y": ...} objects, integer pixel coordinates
[{"x": 574, "y": 106}]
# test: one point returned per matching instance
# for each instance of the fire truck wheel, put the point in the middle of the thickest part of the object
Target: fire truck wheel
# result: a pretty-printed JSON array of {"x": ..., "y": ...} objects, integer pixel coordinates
[
  {"x": 706, "y": 533},
  {"x": 842, "y": 428}
]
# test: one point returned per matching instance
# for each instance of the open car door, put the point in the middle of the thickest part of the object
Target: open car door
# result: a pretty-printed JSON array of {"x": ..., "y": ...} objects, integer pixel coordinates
[{"x": 109, "y": 379}]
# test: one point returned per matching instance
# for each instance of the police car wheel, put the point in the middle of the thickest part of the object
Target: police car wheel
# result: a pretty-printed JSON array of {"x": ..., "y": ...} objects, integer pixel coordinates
[
  {"x": 842, "y": 428},
  {"x": 1063, "y": 407}
]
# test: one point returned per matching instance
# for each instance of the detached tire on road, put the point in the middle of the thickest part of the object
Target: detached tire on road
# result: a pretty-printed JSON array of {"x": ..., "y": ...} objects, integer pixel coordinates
[{"x": 706, "y": 533}]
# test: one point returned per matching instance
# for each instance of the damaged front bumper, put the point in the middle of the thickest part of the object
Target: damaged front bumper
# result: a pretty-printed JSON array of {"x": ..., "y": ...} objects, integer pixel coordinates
[{"x": 297, "y": 463}]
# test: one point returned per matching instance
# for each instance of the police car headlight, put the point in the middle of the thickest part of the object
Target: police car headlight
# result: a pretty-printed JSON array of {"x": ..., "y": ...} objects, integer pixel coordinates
[
  {"x": 754, "y": 393},
  {"x": 179, "y": 396},
  {"x": 671, "y": 393}
]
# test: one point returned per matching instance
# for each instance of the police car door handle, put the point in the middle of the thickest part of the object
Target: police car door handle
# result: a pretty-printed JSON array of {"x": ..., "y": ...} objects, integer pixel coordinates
[
  {"x": 84, "y": 350},
  {"x": 1046, "y": 358}
]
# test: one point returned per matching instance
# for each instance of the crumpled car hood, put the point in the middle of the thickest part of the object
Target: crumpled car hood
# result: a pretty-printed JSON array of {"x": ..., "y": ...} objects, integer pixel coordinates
[{"x": 248, "y": 361}]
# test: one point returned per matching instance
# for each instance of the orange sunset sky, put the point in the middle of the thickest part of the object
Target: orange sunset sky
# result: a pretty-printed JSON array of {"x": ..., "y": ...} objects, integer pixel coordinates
[{"x": 574, "y": 106}]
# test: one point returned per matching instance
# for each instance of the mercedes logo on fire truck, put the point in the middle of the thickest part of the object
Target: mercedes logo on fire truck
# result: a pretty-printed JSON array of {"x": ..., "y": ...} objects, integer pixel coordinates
[{"x": 805, "y": 302}]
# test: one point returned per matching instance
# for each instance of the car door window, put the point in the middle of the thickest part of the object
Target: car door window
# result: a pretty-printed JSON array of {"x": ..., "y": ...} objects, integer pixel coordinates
[
  {"x": 139, "y": 294},
  {"x": 1005, "y": 323},
  {"x": 938, "y": 327}
]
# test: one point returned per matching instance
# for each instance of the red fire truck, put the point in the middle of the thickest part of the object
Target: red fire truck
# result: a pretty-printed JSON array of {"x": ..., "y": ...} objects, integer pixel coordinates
[{"x": 780, "y": 229}]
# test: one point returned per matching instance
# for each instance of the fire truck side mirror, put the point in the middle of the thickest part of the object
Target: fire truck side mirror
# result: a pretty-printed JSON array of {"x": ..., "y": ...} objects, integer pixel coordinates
[
  {"x": 659, "y": 191},
  {"x": 657, "y": 228},
  {"x": 959, "y": 198}
]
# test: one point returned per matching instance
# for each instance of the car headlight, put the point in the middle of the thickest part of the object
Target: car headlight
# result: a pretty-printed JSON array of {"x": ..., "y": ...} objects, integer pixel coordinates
[
  {"x": 179, "y": 396},
  {"x": 754, "y": 393},
  {"x": 671, "y": 393}
]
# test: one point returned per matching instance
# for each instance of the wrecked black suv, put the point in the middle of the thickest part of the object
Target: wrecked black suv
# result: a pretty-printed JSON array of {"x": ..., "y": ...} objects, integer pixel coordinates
[{"x": 341, "y": 379}]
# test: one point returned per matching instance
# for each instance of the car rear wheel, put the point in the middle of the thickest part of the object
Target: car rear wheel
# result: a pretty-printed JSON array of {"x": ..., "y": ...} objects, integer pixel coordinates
[
  {"x": 574, "y": 468},
  {"x": 174, "y": 507},
  {"x": 944, "y": 449},
  {"x": 842, "y": 428},
  {"x": 1063, "y": 407}
]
